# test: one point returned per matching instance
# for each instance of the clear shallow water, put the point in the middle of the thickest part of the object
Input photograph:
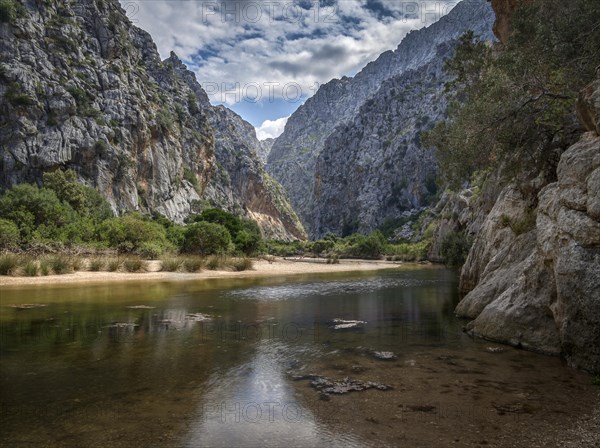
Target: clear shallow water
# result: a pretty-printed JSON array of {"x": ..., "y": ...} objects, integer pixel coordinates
[{"x": 203, "y": 364}]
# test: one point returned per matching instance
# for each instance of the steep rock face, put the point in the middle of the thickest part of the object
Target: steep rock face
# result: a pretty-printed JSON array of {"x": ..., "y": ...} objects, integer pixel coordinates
[
  {"x": 374, "y": 167},
  {"x": 243, "y": 186},
  {"x": 540, "y": 290},
  {"x": 82, "y": 88},
  {"x": 293, "y": 158},
  {"x": 264, "y": 149}
]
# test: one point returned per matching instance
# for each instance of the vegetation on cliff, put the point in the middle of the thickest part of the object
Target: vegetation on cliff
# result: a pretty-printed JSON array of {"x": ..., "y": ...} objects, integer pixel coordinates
[{"x": 514, "y": 106}]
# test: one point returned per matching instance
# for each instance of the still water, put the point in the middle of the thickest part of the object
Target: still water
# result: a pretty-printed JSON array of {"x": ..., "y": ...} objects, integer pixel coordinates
[{"x": 206, "y": 363}]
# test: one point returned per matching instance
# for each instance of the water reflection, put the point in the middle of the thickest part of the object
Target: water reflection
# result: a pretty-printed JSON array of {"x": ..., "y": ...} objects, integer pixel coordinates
[{"x": 201, "y": 364}]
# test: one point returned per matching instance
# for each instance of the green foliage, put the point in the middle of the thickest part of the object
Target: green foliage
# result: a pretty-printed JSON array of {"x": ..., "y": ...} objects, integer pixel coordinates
[
  {"x": 38, "y": 212},
  {"x": 8, "y": 11},
  {"x": 191, "y": 177},
  {"x": 114, "y": 264},
  {"x": 455, "y": 248},
  {"x": 8, "y": 263},
  {"x": 60, "y": 264},
  {"x": 135, "y": 264},
  {"x": 165, "y": 121},
  {"x": 132, "y": 233},
  {"x": 9, "y": 235},
  {"x": 245, "y": 234},
  {"x": 206, "y": 238},
  {"x": 193, "y": 264},
  {"x": 241, "y": 264},
  {"x": 96, "y": 264},
  {"x": 514, "y": 108},
  {"x": 16, "y": 97},
  {"x": 596, "y": 380},
  {"x": 171, "y": 264},
  {"x": 84, "y": 200}
]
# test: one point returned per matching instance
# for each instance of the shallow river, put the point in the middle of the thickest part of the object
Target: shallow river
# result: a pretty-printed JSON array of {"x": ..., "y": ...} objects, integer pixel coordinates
[{"x": 212, "y": 363}]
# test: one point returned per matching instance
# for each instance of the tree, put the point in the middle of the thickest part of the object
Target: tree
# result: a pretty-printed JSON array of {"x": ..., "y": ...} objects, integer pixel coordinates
[
  {"x": 515, "y": 107},
  {"x": 9, "y": 235},
  {"x": 85, "y": 200},
  {"x": 206, "y": 238},
  {"x": 132, "y": 233},
  {"x": 37, "y": 212}
]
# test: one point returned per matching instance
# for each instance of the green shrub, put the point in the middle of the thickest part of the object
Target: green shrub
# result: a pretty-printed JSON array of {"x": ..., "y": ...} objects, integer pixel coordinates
[
  {"x": 241, "y": 264},
  {"x": 9, "y": 235},
  {"x": 151, "y": 250},
  {"x": 135, "y": 264},
  {"x": 77, "y": 263},
  {"x": 245, "y": 233},
  {"x": 193, "y": 264},
  {"x": 44, "y": 266},
  {"x": 8, "y": 264},
  {"x": 171, "y": 264},
  {"x": 114, "y": 264},
  {"x": 30, "y": 268},
  {"x": 96, "y": 264},
  {"x": 206, "y": 238},
  {"x": 455, "y": 248},
  {"x": 215, "y": 262},
  {"x": 131, "y": 233},
  {"x": 525, "y": 224},
  {"x": 8, "y": 11},
  {"x": 60, "y": 264}
]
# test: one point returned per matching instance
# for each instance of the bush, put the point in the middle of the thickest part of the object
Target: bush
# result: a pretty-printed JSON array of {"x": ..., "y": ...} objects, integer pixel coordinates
[
  {"x": 206, "y": 238},
  {"x": 96, "y": 264},
  {"x": 215, "y": 262},
  {"x": 241, "y": 264},
  {"x": 8, "y": 11},
  {"x": 150, "y": 250},
  {"x": 36, "y": 211},
  {"x": 9, "y": 235},
  {"x": 114, "y": 264},
  {"x": 172, "y": 264},
  {"x": 193, "y": 264},
  {"x": 44, "y": 266},
  {"x": 84, "y": 200},
  {"x": 30, "y": 268},
  {"x": 60, "y": 264},
  {"x": 135, "y": 264},
  {"x": 455, "y": 248},
  {"x": 132, "y": 234},
  {"x": 8, "y": 264},
  {"x": 245, "y": 233}
]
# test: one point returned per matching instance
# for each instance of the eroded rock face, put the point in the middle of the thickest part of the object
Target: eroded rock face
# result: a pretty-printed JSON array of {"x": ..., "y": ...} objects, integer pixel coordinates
[
  {"x": 541, "y": 289},
  {"x": 82, "y": 88},
  {"x": 348, "y": 109}
]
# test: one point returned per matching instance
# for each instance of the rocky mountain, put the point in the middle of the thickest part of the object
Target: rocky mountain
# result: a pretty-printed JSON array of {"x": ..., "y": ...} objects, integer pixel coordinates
[
  {"x": 532, "y": 277},
  {"x": 82, "y": 88},
  {"x": 293, "y": 158},
  {"x": 537, "y": 286},
  {"x": 264, "y": 149}
]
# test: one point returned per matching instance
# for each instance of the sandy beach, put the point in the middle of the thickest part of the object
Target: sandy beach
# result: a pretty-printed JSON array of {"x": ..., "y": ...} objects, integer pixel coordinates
[{"x": 262, "y": 268}]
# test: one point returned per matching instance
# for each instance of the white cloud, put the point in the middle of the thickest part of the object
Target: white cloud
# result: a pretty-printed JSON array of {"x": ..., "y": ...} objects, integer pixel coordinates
[
  {"x": 280, "y": 42},
  {"x": 271, "y": 128}
]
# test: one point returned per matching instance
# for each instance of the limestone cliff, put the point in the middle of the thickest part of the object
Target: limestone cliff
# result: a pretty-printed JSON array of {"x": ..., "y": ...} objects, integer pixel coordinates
[
  {"x": 82, "y": 88},
  {"x": 311, "y": 133},
  {"x": 541, "y": 289}
]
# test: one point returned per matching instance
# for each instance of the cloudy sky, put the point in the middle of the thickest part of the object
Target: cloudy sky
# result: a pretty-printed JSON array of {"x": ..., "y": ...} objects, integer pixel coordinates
[{"x": 263, "y": 58}]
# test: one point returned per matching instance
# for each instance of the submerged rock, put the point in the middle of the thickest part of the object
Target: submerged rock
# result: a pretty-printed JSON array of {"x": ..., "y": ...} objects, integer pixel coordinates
[
  {"x": 327, "y": 386},
  {"x": 341, "y": 324},
  {"x": 386, "y": 356},
  {"x": 27, "y": 306}
]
